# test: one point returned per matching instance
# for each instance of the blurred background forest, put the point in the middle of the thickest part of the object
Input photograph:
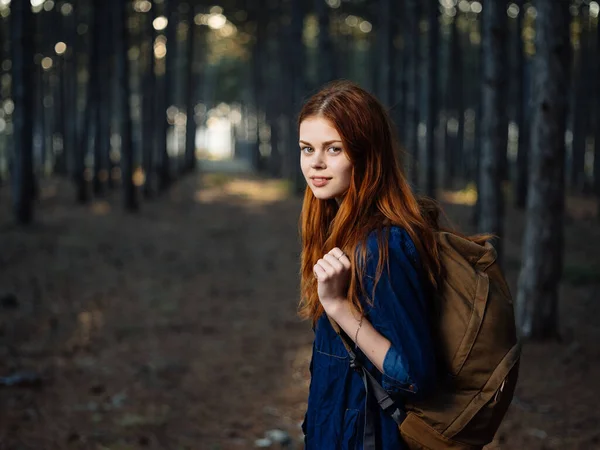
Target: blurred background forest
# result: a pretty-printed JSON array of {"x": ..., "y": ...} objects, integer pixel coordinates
[{"x": 149, "y": 198}]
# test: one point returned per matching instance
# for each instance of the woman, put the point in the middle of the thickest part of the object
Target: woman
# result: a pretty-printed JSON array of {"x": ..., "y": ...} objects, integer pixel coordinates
[{"x": 369, "y": 260}]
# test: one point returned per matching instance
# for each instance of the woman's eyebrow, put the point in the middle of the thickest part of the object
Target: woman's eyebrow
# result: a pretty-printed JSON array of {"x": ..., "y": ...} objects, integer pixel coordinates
[{"x": 324, "y": 143}]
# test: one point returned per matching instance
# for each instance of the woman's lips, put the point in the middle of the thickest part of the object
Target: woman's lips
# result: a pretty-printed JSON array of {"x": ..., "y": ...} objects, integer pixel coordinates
[{"x": 320, "y": 181}]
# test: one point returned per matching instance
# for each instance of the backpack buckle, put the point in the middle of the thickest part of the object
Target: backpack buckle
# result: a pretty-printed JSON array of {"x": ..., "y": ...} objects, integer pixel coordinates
[{"x": 354, "y": 364}]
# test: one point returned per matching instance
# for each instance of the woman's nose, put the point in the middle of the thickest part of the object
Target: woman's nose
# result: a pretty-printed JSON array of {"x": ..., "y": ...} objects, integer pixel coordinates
[{"x": 317, "y": 161}]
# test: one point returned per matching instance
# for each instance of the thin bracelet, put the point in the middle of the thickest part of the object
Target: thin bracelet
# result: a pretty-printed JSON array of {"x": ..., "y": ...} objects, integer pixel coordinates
[{"x": 357, "y": 330}]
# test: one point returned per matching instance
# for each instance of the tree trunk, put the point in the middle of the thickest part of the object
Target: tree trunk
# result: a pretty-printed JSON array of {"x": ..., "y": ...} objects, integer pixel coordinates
[
  {"x": 71, "y": 92},
  {"x": 40, "y": 152},
  {"x": 453, "y": 100},
  {"x": 581, "y": 104},
  {"x": 345, "y": 54},
  {"x": 62, "y": 163},
  {"x": 478, "y": 76},
  {"x": 413, "y": 64},
  {"x": 597, "y": 131},
  {"x": 537, "y": 297},
  {"x": 59, "y": 113},
  {"x": 101, "y": 99},
  {"x": 57, "y": 29},
  {"x": 80, "y": 175},
  {"x": 296, "y": 64},
  {"x": 401, "y": 110},
  {"x": 22, "y": 95},
  {"x": 274, "y": 106},
  {"x": 258, "y": 66},
  {"x": 325, "y": 56},
  {"x": 522, "y": 103},
  {"x": 125, "y": 126},
  {"x": 285, "y": 97},
  {"x": 167, "y": 95},
  {"x": 5, "y": 143},
  {"x": 386, "y": 34},
  {"x": 93, "y": 125},
  {"x": 106, "y": 105},
  {"x": 493, "y": 126},
  {"x": 191, "y": 96},
  {"x": 149, "y": 108},
  {"x": 460, "y": 167},
  {"x": 428, "y": 160}
]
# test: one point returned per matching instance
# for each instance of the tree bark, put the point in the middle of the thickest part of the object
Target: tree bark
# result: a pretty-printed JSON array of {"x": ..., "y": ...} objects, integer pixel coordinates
[
  {"x": 537, "y": 297},
  {"x": 296, "y": 64},
  {"x": 274, "y": 106},
  {"x": 522, "y": 102},
  {"x": 165, "y": 175},
  {"x": 400, "y": 111},
  {"x": 39, "y": 124},
  {"x": 285, "y": 96},
  {"x": 191, "y": 96},
  {"x": 71, "y": 94},
  {"x": 42, "y": 153},
  {"x": 325, "y": 56},
  {"x": 581, "y": 104},
  {"x": 454, "y": 108},
  {"x": 109, "y": 35},
  {"x": 428, "y": 164},
  {"x": 22, "y": 93},
  {"x": 477, "y": 75},
  {"x": 258, "y": 66},
  {"x": 100, "y": 100},
  {"x": 94, "y": 98},
  {"x": 494, "y": 131},
  {"x": 149, "y": 108},
  {"x": 125, "y": 126},
  {"x": 61, "y": 163},
  {"x": 386, "y": 34},
  {"x": 597, "y": 131},
  {"x": 80, "y": 175},
  {"x": 58, "y": 29},
  {"x": 413, "y": 64}
]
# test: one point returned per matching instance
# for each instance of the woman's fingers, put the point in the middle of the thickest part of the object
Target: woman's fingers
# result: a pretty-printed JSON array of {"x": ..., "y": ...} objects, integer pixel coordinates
[
  {"x": 340, "y": 256},
  {"x": 319, "y": 272},
  {"x": 336, "y": 252},
  {"x": 333, "y": 263},
  {"x": 326, "y": 267}
]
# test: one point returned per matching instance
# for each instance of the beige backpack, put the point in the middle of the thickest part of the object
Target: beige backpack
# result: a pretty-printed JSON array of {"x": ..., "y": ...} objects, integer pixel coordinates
[{"x": 475, "y": 335}]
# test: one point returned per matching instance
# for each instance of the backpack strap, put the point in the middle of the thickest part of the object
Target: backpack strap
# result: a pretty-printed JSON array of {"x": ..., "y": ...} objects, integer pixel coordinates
[{"x": 372, "y": 386}]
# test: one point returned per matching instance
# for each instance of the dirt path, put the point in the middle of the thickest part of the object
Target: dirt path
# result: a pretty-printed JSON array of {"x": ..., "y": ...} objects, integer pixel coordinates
[{"x": 175, "y": 328}]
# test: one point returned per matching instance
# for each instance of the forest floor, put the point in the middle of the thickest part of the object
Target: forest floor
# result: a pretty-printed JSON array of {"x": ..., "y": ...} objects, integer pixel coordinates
[{"x": 176, "y": 327}]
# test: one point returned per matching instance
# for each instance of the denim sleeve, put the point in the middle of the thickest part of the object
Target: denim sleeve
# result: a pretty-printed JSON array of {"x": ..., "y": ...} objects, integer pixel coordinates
[{"x": 399, "y": 312}]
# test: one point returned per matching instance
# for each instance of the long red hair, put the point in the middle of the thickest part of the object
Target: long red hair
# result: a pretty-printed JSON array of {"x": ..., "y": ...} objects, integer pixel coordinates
[{"x": 379, "y": 195}]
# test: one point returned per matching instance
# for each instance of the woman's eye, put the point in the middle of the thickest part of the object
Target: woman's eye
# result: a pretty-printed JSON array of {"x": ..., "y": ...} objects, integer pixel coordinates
[
  {"x": 306, "y": 149},
  {"x": 334, "y": 149}
]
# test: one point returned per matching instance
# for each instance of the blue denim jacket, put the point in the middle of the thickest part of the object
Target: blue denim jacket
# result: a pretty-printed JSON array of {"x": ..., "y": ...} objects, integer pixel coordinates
[{"x": 336, "y": 403}]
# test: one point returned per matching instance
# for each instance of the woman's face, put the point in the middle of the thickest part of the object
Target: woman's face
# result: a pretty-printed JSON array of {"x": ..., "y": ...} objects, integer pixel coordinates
[{"x": 323, "y": 159}]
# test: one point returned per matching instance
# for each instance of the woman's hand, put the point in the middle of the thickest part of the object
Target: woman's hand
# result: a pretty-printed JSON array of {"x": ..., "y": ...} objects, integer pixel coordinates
[{"x": 333, "y": 275}]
